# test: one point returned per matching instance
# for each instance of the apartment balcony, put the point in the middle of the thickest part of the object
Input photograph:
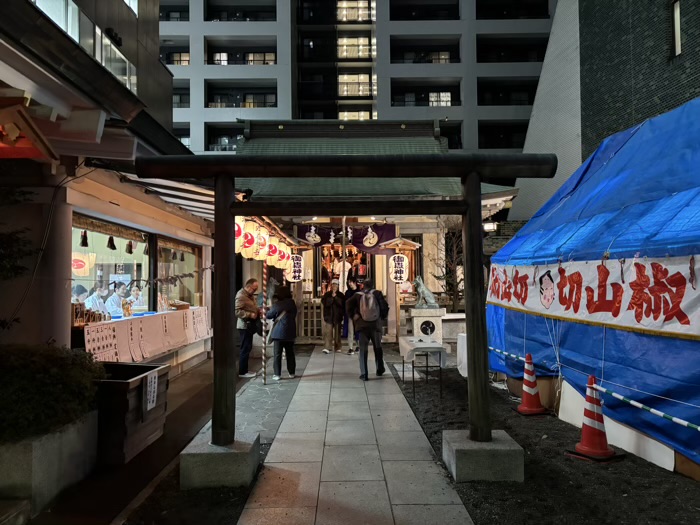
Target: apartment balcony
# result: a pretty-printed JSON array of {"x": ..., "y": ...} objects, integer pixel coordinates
[
  {"x": 512, "y": 9},
  {"x": 182, "y": 131},
  {"x": 174, "y": 12},
  {"x": 500, "y": 49},
  {"x": 506, "y": 135},
  {"x": 241, "y": 58},
  {"x": 424, "y": 93},
  {"x": 175, "y": 50},
  {"x": 222, "y": 137},
  {"x": 240, "y": 94},
  {"x": 402, "y": 10},
  {"x": 316, "y": 90},
  {"x": 356, "y": 89},
  {"x": 252, "y": 11},
  {"x": 425, "y": 50},
  {"x": 181, "y": 93},
  {"x": 506, "y": 92}
]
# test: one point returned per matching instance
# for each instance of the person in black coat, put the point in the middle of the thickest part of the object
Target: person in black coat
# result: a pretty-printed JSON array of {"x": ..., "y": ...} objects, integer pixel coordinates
[
  {"x": 369, "y": 330},
  {"x": 284, "y": 331},
  {"x": 333, "y": 302}
]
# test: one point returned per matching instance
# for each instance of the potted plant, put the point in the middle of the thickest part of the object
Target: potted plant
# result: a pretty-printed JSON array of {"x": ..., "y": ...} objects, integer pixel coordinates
[{"x": 48, "y": 421}]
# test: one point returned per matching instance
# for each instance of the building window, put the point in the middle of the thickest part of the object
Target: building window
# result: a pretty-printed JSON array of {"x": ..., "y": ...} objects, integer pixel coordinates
[
  {"x": 134, "y": 5},
  {"x": 676, "y": 28},
  {"x": 354, "y": 115},
  {"x": 440, "y": 99},
  {"x": 183, "y": 59},
  {"x": 96, "y": 268},
  {"x": 260, "y": 100},
  {"x": 220, "y": 59},
  {"x": 354, "y": 86},
  {"x": 112, "y": 59},
  {"x": 349, "y": 48},
  {"x": 186, "y": 141},
  {"x": 177, "y": 259},
  {"x": 354, "y": 11},
  {"x": 257, "y": 59},
  {"x": 181, "y": 100}
]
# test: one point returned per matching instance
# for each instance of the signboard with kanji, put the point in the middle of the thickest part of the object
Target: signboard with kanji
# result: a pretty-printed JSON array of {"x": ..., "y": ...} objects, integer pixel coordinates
[
  {"x": 398, "y": 268},
  {"x": 296, "y": 271}
]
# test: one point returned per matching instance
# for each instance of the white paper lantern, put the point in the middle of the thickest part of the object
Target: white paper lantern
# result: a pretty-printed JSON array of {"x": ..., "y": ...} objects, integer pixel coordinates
[
  {"x": 240, "y": 226},
  {"x": 398, "y": 268},
  {"x": 261, "y": 243},
  {"x": 272, "y": 250},
  {"x": 250, "y": 233}
]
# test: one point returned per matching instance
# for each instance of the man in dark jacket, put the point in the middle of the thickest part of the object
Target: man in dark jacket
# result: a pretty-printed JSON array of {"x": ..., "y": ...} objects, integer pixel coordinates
[
  {"x": 333, "y": 302},
  {"x": 352, "y": 290},
  {"x": 369, "y": 330},
  {"x": 284, "y": 331}
]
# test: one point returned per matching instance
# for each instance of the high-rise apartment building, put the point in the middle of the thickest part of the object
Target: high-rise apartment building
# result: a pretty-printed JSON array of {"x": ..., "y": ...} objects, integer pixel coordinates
[{"x": 471, "y": 65}]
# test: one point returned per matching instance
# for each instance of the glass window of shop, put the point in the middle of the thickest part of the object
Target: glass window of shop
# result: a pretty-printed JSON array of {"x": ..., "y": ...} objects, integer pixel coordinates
[
  {"x": 180, "y": 280},
  {"x": 104, "y": 254}
]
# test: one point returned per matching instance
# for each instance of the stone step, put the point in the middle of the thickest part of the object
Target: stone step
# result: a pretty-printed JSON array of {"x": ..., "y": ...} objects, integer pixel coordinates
[{"x": 14, "y": 512}]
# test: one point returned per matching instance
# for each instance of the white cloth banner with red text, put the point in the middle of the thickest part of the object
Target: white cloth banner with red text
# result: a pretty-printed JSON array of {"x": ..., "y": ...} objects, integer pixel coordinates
[{"x": 646, "y": 295}]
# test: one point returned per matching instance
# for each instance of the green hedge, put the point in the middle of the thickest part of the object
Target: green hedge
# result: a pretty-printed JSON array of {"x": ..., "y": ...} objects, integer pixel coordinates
[{"x": 43, "y": 388}]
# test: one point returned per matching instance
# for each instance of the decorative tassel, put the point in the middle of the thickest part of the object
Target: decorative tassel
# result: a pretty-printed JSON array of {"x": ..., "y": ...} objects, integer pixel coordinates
[
  {"x": 83, "y": 239},
  {"x": 182, "y": 256},
  {"x": 110, "y": 243},
  {"x": 129, "y": 248},
  {"x": 174, "y": 255}
]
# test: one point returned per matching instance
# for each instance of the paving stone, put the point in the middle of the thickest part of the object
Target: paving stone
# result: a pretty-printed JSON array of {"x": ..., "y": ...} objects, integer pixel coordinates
[
  {"x": 419, "y": 482},
  {"x": 382, "y": 386},
  {"x": 293, "y": 516},
  {"x": 286, "y": 485},
  {"x": 388, "y": 401},
  {"x": 348, "y": 411},
  {"x": 307, "y": 421},
  {"x": 353, "y": 503},
  {"x": 348, "y": 395},
  {"x": 422, "y": 514},
  {"x": 403, "y": 446},
  {"x": 351, "y": 463},
  {"x": 314, "y": 388},
  {"x": 296, "y": 447},
  {"x": 357, "y": 432},
  {"x": 395, "y": 421},
  {"x": 312, "y": 402},
  {"x": 348, "y": 382}
]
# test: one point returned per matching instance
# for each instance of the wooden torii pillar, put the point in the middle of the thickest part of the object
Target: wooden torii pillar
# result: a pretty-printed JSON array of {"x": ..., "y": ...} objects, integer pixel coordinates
[{"x": 471, "y": 168}]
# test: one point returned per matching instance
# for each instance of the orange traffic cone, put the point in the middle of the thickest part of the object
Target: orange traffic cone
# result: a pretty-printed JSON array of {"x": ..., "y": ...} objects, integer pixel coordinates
[
  {"x": 531, "y": 404},
  {"x": 594, "y": 443}
]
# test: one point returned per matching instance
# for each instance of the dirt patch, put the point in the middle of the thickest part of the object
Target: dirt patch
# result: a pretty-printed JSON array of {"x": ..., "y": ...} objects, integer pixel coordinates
[{"x": 557, "y": 489}]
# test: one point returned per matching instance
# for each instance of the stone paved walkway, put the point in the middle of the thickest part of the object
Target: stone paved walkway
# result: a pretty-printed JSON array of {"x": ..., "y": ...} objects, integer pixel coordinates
[{"x": 346, "y": 452}]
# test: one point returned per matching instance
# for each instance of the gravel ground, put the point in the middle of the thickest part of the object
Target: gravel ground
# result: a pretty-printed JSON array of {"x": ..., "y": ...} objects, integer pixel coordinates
[{"x": 557, "y": 488}]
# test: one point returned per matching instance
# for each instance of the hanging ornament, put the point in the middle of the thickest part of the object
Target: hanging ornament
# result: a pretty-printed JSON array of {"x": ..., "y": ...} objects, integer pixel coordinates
[
  {"x": 146, "y": 251},
  {"x": 83, "y": 239},
  {"x": 182, "y": 256},
  {"x": 250, "y": 233},
  {"x": 239, "y": 229},
  {"x": 371, "y": 238},
  {"x": 282, "y": 251},
  {"x": 272, "y": 250},
  {"x": 129, "y": 248},
  {"x": 261, "y": 243},
  {"x": 312, "y": 236},
  {"x": 110, "y": 243},
  {"x": 174, "y": 256},
  {"x": 331, "y": 237}
]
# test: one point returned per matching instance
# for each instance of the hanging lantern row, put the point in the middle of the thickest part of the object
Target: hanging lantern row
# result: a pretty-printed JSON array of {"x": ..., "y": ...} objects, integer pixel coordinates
[{"x": 254, "y": 241}]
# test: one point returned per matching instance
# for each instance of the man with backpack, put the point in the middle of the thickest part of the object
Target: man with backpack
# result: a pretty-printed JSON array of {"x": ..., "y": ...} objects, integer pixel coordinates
[{"x": 368, "y": 308}]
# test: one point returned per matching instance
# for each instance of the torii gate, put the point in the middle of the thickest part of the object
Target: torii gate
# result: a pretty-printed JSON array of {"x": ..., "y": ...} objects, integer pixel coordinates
[{"x": 471, "y": 168}]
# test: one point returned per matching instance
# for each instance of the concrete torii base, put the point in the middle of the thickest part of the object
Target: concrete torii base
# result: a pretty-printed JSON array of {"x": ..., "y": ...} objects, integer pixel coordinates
[
  {"x": 500, "y": 459},
  {"x": 205, "y": 465}
]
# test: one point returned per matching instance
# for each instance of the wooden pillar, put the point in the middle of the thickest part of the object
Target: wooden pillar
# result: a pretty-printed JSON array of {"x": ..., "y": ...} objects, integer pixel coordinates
[
  {"x": 152, "y": 271},
  {"x": 475, "y": 311},
  {"x": 223, "y": 427}
]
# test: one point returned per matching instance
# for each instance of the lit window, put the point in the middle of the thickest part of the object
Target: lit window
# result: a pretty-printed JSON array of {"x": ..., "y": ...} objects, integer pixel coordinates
[
  {"x": 355, "y": 11},
  {"x": 349, "y": 48},
  {"x": 354, "y": 86},
  {"x": 441, "y": 99},
  {"x": 676, "y": 28},
  {"x": 354, "y": 115}
]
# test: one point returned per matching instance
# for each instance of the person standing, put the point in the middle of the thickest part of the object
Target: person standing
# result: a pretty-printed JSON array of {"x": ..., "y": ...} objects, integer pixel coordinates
[
  {"x": 333, "y": 302},
  {"x": 247, "y": 312},
  {"x": 352, "y": 290},
  {"x": 284, "y": 331},
  {"x": 368, "y": 308}
]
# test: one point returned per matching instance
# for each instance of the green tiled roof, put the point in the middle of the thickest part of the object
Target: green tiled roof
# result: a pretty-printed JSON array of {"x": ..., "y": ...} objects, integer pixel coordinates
[{"x": 343, "y": 146}]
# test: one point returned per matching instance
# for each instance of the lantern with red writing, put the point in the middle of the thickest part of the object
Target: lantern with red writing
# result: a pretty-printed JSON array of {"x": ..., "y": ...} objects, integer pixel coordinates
[
  {"x": 272, "y": 250},
  {"x": 250, "y": 235},
  {"x": 239, "y": 229},
  {"x": 261, "y": 243},
  {"x": 282, "y": 251}
]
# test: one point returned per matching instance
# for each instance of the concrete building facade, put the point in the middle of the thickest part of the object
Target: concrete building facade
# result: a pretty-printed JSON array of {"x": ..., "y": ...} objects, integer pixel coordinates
[{"x": 471, "y": 65}]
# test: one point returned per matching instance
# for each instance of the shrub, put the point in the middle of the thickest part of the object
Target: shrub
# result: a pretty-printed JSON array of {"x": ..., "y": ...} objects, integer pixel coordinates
[{"x": 43, "y": 388}]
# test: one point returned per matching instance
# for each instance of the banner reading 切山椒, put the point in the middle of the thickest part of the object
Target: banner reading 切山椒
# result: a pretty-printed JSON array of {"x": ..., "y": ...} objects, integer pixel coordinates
[{"x": 647, "y": 295}]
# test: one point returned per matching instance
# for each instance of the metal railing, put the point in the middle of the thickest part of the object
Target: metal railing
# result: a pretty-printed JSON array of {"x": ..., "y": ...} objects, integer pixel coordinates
[
  {"x": 221, "y": 147},
  {"x": 425, "y": 60},
  {"x": 184, "y": 16},
  {"x": 178, "y": 61},
  {"x": 181, "y": 104},
  {"x": 425, "y": 103},
  {"x": 243, "y": 62},
  {"x": 245, "y": 105}
]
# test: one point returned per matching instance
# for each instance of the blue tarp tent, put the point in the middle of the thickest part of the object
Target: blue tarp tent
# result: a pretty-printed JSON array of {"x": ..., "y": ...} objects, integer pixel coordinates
[{"x": 636, "y": 199}]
